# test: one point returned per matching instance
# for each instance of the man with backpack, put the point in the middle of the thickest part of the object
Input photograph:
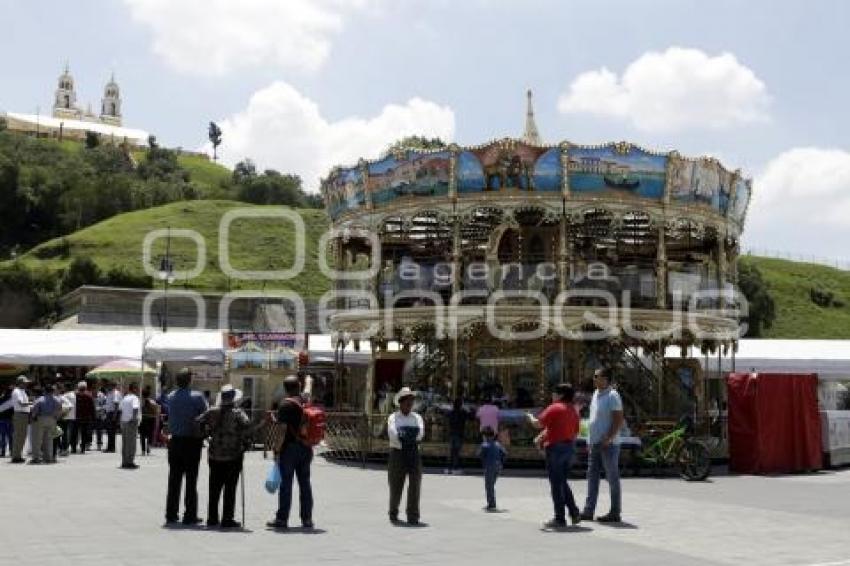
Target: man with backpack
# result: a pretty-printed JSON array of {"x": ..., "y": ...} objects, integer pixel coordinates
[{"x": 295, "y": 454}]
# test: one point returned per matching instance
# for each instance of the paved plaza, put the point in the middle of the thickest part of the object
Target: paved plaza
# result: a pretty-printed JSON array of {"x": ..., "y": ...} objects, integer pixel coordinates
[{"x": 87, "y": 511}]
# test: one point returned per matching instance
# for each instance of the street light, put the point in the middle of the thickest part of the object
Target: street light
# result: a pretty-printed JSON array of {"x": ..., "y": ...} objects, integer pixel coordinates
[{"x": 166, "y": 275}]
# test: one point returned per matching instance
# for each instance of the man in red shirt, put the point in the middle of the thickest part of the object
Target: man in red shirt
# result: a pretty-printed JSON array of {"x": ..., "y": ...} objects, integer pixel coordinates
[{"x": 561, "y": 426}]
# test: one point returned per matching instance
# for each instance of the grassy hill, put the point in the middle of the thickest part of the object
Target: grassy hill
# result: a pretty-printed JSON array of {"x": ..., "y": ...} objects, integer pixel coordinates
[
  {"x": 260, "y": 244},
  {"x": 255, "y": 244},
  {"x": 797, "y": 316}
]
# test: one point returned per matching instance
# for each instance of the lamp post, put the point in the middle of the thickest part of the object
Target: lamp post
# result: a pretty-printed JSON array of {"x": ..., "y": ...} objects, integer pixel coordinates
[{"x": 166, "y": 275}]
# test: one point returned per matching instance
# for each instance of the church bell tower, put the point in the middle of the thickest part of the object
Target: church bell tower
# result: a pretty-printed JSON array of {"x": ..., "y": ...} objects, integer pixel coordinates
[
  {"x": 65, "y": 100},
  {"x": 110, "y": 106}
]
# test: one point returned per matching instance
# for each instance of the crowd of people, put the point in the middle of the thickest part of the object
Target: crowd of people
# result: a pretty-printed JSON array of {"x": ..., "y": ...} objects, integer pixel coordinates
[{"x": 59, "y": 421}]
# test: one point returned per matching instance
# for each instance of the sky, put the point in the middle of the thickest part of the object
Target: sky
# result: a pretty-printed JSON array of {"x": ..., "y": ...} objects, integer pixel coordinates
[{"x": 303, "y": 85}]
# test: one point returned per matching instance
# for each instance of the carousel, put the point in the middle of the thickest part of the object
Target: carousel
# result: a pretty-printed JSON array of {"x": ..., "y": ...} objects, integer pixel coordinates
[{"x": 497, "y": 271}]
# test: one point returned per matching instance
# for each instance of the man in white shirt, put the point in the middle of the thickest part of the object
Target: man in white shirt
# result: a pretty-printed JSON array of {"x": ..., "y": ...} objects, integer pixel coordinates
[
  {"x": 405, "y": 429},
  {"x": 69, "y": 400},
  {"x": 20, "y": 420},
  {"x": 130, "y": 408}
]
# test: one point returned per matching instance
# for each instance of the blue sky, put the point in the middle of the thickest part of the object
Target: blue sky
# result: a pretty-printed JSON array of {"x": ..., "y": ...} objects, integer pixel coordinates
[{"x": 303, "y": 85}]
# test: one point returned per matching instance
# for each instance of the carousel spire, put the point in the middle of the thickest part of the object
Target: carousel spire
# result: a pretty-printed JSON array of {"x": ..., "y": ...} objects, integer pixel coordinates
[{"x": 531, "y": 135}]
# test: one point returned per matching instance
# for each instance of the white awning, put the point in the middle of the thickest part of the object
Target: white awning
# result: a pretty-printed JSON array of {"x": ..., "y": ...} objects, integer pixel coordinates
[
  {"x": 322, "y": 350},
  {"x": 95, "y": 347},
  {"x": 118, "y": 132}
]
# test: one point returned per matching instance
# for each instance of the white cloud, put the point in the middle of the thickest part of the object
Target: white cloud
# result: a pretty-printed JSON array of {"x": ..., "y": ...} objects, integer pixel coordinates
[
  {"x": 801, "y": 204},
  {"x": 215, "y": 37},
  {"x": 283, "y": 129},
  {"x": 672, "y": 91}
]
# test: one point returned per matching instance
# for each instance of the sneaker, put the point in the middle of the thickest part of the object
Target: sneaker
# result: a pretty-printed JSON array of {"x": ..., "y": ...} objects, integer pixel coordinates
[
  {"x": 277, "y": 525},
  {"x": 394, "y": 519},
  {"x": 585, "y": 516},
  {"x": 609, "y": 518},
  {"x": 555, "y": 524},
  {"x": 231, "y": 524}
]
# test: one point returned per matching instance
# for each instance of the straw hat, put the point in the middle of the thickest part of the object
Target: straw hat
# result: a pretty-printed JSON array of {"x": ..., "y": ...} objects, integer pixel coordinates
[{"x": 405, "y": 392}]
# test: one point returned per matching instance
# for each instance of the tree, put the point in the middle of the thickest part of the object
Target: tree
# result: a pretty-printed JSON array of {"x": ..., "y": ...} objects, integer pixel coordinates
[
  {"x": 3, "y": 123},
  {"x": 82, "y": 271},
  {"x": 92, "y": 140},
  {"x": 761, "y": 306},
  {"x": 152, "y": 143},
  {"x": 415, "y": 142},
  {"x": 244, "y": 172},
  {"x": 215, "y": 138}
]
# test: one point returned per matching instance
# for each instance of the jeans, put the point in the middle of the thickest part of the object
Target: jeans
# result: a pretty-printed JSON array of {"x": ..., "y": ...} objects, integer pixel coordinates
[
  {"x": 83, "y": 428},
  {"x": 184, "y": 458},
  {"x": 397, "y": 472},
  {"x": 99, "y": 428},
  {"x": 5, "y": 436},
  {"x": 20, "y": 422},
  {"x": 146, "y": 433},
  {"x": 559, "y": 459},
  {"x": 129, "y": 433},
  {"x": 111, "y": 423},
  {"x": 491, "y": 474},
  {"x": 295, "y": 459},
  {"x": 224, "y": 475},
  {"x": 42, "y": 448},
  {"x": 455, "y": 446},
  {"x": 609, "y": 459}
]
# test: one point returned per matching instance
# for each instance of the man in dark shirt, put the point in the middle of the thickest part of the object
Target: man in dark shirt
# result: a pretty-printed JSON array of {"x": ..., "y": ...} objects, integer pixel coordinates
[
  {"x": 184, "y": 448},
  {"x": 457, "y": 429},
  {"x": 85, "y": 416},
  {"x": 294, "y": 458}
]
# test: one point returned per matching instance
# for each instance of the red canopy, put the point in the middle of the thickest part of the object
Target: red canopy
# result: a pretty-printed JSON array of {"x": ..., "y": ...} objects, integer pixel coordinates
[{"x": 774, "y": 424}]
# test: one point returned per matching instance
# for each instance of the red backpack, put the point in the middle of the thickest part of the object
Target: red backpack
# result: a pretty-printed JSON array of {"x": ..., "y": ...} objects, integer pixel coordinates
[{"x": 313, "y": 423}]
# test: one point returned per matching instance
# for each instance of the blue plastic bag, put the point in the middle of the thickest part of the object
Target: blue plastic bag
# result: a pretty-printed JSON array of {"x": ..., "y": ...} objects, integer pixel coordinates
[{"x": 273, "y": 478}]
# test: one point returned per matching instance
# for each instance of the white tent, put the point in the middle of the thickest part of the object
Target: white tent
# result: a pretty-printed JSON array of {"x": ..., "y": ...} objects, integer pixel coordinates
[
  {"x": 830, "y": 359},
  {"x": 68, "y": 347},
  {"x": 185, "y": 346},
  {"x": 95, "y": 347}
]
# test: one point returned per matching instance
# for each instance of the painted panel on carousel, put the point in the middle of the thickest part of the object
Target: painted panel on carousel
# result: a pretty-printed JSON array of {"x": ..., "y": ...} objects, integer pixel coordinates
[
  {"x": 499, "y": 167},
  {"x": 547, "y": 171},
  {"x": 470, "y": 173},
  {"x": 700, "y": 182},
  {"x": 603, "y": 171},
  {"x": 416, "y": 175},
  {"x": 743, "y": 190},
  {"x": 345, "y": 191}
]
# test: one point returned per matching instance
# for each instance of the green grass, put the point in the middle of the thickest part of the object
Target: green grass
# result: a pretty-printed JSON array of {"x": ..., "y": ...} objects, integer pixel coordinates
[
  {"x": 255, "y": 244},
  {"x": 796, "y": 315}
]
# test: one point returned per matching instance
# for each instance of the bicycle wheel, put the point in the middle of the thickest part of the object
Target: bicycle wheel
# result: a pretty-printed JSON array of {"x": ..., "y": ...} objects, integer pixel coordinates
[{"x": 694, "y": 462}]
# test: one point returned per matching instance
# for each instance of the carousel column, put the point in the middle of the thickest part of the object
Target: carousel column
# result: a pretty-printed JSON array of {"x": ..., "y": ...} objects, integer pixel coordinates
[
  {"x": 564, "y": 259},
  {"x": 661, "y": 269},
  {"x": 721, "y": 270},
  {"x": 455, "y": 338}
]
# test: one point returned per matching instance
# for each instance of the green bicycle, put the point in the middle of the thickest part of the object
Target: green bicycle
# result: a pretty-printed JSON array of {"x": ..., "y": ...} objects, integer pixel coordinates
[{"x": 676, "y": 449}]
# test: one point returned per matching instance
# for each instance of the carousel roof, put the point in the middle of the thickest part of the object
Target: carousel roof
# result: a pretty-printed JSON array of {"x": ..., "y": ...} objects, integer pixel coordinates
[{"x": 516, "y": 172}]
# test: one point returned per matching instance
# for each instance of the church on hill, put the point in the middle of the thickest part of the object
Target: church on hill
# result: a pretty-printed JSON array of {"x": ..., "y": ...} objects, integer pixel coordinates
[{"x": 70, "y": 121}]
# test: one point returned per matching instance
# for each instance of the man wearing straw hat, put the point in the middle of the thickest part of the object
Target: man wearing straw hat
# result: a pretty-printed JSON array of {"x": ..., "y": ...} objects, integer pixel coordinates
[{"x": 405, "y": 429}]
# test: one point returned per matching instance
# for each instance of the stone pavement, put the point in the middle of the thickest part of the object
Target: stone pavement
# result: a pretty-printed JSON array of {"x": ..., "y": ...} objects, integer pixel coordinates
[{"x": 87, "y": 511}]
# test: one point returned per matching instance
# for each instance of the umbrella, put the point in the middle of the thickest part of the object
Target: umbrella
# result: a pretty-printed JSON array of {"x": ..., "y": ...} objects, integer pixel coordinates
[{"x": 118, "y": 370}]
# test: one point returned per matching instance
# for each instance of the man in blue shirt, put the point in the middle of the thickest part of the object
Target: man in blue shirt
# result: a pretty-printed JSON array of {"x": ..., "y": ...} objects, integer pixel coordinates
[
  {"x": 606, "y": 420},
  {"x": 184, "y": 448}
]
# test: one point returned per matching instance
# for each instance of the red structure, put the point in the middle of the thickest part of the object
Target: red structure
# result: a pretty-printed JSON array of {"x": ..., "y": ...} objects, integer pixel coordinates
[{"x": 774, "y": 424}]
